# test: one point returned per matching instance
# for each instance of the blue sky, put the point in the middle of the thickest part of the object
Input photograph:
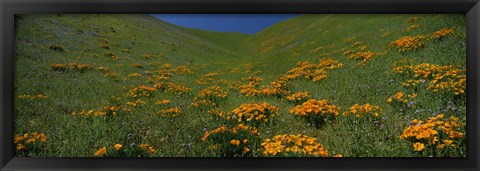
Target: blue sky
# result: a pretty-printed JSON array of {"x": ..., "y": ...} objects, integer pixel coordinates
[{"x": 243, "y": 23}]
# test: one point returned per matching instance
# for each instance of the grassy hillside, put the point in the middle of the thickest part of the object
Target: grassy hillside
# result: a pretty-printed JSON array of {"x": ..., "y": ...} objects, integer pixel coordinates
[
  {"x": 227, "y": 40},
  {"x": 93, "y": 81},
  {"x": 314, "y": 37}
]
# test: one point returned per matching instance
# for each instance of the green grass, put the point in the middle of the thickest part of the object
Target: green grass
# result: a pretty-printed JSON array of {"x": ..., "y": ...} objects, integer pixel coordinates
[{"x": 273, "y": 52}]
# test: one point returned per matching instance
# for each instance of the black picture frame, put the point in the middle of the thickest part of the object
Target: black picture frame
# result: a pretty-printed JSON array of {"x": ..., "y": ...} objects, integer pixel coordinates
[{"x": 8, "y": 8}]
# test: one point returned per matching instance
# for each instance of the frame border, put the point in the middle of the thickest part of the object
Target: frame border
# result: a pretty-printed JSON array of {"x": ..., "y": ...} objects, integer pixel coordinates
[{"x": 8, "y": 8}]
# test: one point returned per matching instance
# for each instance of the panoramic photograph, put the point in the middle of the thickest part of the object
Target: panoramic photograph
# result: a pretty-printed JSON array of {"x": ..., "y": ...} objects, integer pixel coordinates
[{"x": 240, "y": 85}]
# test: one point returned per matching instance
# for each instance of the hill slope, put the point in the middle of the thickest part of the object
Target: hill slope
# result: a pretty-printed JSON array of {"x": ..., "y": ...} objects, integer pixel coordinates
[
  {"x": 318, "y": 37},
  {"x": 168, "y": 85},
  {"x": 231, "y": 41}
]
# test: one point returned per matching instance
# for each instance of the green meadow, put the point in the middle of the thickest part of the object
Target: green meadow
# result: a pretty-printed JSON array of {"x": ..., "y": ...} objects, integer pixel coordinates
[{"x": 135, "y": 86}]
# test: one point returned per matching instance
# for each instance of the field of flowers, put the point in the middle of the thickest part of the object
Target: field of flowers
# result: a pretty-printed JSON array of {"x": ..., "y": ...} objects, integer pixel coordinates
[{"x": 310, "y": 86}]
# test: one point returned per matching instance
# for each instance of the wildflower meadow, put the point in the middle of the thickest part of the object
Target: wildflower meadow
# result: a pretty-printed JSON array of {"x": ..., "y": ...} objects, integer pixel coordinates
[{"x": 330, "y": 85}]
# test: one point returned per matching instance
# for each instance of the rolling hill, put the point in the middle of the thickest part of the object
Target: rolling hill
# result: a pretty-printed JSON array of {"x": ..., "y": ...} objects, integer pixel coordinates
[{"x": 93, "y": 81}]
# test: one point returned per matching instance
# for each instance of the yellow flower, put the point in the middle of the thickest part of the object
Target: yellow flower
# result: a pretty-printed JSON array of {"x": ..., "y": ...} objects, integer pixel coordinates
[
  {"x": 235, "y": 142},
  {"x": 31, "y": 140},
  {"x": 101, "y": 151},
  {"x": 298, "y": 96},
  {"x": 18, "y": 138},
  {"x": 442, "y": 33},
  {"x": 148, "y": 148},
  {"x": 399, "y": 96},
  {"x": 439, "y": 77},
  {"x": 418, "y": 146},
  {"x": 284, "y": 144},
  {"x": 454, "y": 134},
  {"x": 117, "y": 146},
  {"x": 408, "y": 43},
  {"x": 246, "y": 150},
  {"x": 448, "y": 142},
  {"x": 363, "y": 110},
  {"x": 21, "y": 147},
  {"x": 313, "y": 108},
  {"x": 171, "y": 112},
  {"x": 258, "y": 112},
  {"x": 205, "y": 136},
  {"x": 440, "y": 116}
]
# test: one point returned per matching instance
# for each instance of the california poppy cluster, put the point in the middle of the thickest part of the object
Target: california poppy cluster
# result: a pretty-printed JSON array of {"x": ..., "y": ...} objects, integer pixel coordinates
[
  {"x": 437, "y": 135},
  {"x": 210, "y": 96},
  {"x": 255, "y": 113},
  {"x": 290, "y": 145},
  {"x": 131, "y": 150},
  {"x": 298, "y": 96},
  {"x": 402, "y": 100},
  {"x": 442, "y": 33},
  {"x": 32, "y": 97},
  {"x": 72, "y": 66},
  {"x": 409, "y": 43},
  {"x": 365, "y": 110},
  {"x": 360, "y": 54},
  {"x": 434, "y": 77},
  {"x": 29, "y": 144},
  {"x": 316, "y": 112},
  {"x": 104, "y": 111},
  {"x": 238, "y": 141}
]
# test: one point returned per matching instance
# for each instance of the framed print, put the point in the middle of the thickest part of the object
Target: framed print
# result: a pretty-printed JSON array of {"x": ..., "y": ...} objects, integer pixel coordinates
[{"x": 227, "y": 85}]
